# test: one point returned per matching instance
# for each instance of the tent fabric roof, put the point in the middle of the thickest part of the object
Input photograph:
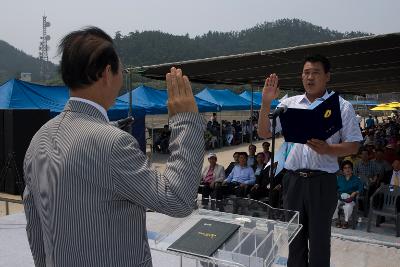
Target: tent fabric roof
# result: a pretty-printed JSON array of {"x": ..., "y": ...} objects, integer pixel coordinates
[
  {"x": 359, "y": 66},
  {"x": 17, "y": 94},
  {"x": 154, "y": 101},
  {"x": 225, "y": 99},
  {"x": 257, "y": 97}
]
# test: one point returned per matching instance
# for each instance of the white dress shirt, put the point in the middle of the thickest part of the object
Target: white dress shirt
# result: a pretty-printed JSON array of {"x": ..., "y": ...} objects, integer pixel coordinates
[
  {"x": 395, "y": 178},
  {"x": 94, "y": 104},
  {"x": 302, "y": 156}
]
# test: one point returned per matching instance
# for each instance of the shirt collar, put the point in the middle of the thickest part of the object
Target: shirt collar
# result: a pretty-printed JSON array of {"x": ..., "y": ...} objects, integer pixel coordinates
[
  {"x": 304, "y": 99},
  {"x": 94, "y": 104}
]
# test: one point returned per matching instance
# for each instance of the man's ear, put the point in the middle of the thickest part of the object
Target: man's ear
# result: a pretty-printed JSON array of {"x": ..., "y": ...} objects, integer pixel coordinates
[
  {"x": 107, "y": 75},
  {"x": 328, "y": 76}
]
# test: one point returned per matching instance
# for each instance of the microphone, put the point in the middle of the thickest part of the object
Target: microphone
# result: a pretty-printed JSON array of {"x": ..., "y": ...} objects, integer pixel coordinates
[
  {"x": 278, "y": 111},
  {"x": 125, "y": 122}
]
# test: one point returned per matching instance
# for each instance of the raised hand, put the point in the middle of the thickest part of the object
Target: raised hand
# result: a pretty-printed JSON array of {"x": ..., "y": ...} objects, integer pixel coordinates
[
  {"x": 270, "y": 90},
  {"x": 180, "y": 95}
]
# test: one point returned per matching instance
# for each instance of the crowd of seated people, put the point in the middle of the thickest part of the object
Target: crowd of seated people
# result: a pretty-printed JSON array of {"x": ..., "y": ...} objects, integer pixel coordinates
[
  {"x": 217, "y": 134},
  {"x": 377, "y": 163},
  {"x": 247, "y": 176},
  {"x": 229, "y": 133}
]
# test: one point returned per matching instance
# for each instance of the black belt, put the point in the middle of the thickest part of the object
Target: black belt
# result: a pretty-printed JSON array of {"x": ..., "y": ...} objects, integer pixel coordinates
[{"x": 306, "y": 173}]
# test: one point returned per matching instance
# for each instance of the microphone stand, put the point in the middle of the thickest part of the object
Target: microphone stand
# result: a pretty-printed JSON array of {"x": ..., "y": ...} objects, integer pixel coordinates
[{"x": 271, "y": 167}]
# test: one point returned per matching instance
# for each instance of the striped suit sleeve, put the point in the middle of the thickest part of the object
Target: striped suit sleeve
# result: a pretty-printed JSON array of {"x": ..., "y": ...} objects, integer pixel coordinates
[
  {"x": 34, "y": 229},
  {"x": 172, "y": 193}
]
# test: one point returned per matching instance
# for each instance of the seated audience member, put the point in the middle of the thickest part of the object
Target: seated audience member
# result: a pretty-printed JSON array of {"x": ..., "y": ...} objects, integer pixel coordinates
[
  {"x": 213, "y": 117},
  {"x": 229, "y": 132},
  {"x": 390, "y": 154},
  {"x": 251, "y": 159},
  {"x": 161, "y": 145},
  {"x": 261, "y": 172},
  {"x": 237, "y": 132},
  {"x": 261, "y": 188},
  {"x": 349, "y": 186},
  {"x": 369, "y": 138},
  {"x": 212, "y": 176},
  {"x": 265, "y": 146},
  {"x": 368, "y": 172},
  {"x": 385, "y": 169},
  {"x": 370, "y": 123},
  {"x": 235, "y": 162},
  {"x": 395, "y": 180},
  {"x": 240, "y": 179}
]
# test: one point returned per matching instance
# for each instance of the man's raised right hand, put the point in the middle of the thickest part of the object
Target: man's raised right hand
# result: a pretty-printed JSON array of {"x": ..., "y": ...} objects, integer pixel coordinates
[
  {"x": 271, "y": 89},
  {"x": 180, "y": 95}
]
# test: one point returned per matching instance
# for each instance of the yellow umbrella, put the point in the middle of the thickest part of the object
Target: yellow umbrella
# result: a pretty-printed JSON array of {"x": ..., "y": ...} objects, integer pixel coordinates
[
  {"x": 394, "y": 105},
  {"x": 382, "y": 108}
]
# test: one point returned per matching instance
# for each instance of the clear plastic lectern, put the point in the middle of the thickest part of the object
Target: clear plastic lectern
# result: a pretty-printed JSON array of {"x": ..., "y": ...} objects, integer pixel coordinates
[{"x": 261, "y": 241}]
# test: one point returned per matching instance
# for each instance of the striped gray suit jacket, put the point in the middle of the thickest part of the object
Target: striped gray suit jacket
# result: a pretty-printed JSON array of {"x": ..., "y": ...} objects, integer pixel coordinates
[{"x": 88, "y": 186}]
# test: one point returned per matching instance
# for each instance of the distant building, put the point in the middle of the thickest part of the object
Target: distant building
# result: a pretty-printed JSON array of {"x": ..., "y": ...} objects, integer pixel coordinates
[{"x": 26, "y": 76}]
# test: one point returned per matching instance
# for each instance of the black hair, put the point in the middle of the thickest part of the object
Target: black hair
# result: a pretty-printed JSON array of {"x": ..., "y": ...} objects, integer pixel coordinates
[
  {"x": 346, "y": 162},
  {"x": 244, "y": 154},
  {"x": 85, "y": 55},
  {"x": 318, "y": 58}
]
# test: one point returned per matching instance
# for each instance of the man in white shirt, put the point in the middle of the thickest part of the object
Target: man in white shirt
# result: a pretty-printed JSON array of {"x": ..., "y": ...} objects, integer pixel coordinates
[{"x": 309, "y": 185}]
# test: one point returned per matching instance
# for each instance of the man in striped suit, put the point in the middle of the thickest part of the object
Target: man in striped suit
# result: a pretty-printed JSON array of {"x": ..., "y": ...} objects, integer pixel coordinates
[{"x": 87, "y": 183}]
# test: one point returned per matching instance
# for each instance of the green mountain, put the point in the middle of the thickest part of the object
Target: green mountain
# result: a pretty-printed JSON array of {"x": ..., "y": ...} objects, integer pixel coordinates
[
  {"x": 154, "y": 47},
  {"x": 14, "y": 61}
]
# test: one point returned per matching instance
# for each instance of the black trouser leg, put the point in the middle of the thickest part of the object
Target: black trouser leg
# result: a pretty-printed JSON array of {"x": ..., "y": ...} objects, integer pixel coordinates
[
  {"x": 315, "y": 198},
  {"x": 293, "y": 200},
  {"x": 322, "y": 201},
  {"x": 206, "y": 191}
]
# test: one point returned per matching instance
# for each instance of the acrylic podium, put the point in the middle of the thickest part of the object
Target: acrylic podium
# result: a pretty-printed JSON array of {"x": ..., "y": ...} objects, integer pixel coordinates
[{"x": 261, "y": 241}]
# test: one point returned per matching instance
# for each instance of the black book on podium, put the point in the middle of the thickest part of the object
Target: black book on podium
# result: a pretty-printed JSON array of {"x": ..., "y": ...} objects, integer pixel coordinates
[
  {"x": 204, "y": 238},
  {"x": 321, "y": 122}
]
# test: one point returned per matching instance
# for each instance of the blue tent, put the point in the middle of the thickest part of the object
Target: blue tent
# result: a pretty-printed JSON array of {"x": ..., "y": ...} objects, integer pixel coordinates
[
  {"x": 225, "y": 99},
  {"x": 17, "y": 94},
  {"x": 257, "y": 98},
  {"x": 155, "y": 101}
]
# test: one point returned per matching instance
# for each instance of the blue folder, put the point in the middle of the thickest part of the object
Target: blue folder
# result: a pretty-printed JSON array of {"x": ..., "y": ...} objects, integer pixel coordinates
[{"x": 321, "y": 122}]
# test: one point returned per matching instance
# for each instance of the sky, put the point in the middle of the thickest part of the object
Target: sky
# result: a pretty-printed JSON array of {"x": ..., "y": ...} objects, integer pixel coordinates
[{"x": 21, "y": 20}]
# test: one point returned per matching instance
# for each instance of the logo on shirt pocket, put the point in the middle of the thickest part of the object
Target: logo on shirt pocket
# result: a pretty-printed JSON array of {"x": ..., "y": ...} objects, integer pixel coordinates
[{"x": 328, "y": 113}]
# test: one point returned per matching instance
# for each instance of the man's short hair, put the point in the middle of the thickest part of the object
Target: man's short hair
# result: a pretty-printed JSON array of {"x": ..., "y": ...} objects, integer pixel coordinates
[
  {"x": 318, "y": 58},
  {"x": 85, "y": 55},
  {"x": 266, "y": 143},
  {"x": 244, "y": 154}
]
